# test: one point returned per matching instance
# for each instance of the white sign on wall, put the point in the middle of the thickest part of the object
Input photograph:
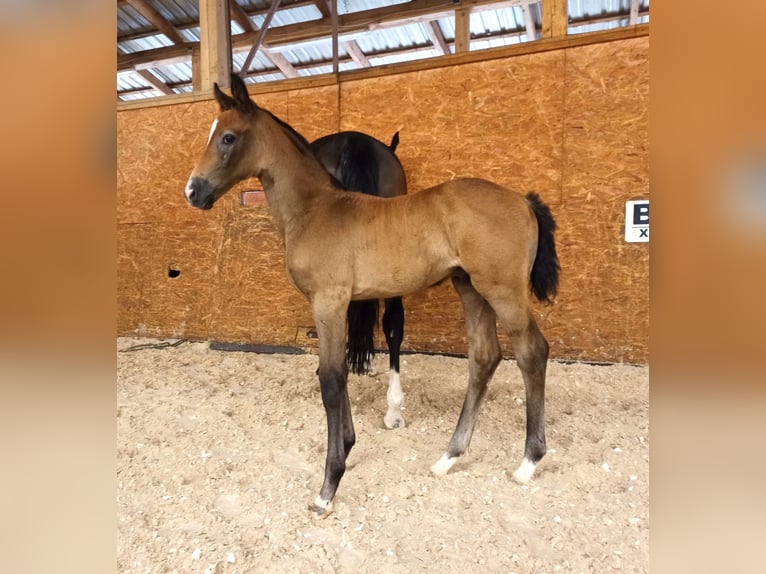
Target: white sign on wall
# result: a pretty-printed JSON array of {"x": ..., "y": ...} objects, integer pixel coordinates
[{"x": 637, "y": 221}]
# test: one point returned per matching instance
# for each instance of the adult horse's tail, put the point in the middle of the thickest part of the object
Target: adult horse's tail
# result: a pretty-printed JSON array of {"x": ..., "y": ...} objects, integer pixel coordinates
[
  {"x": 394, "y": 142},
  {"x": 545, "y": 270},
  {"x": 362, "y": 318}
]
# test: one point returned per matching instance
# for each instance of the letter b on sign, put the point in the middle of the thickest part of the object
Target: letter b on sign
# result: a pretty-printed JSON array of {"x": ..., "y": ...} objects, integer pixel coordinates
[{"x": 637, "y": 221}]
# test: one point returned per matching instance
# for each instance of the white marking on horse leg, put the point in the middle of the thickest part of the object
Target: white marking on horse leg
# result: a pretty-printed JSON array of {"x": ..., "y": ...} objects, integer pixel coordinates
[
  {"x": 322, "y": 507},
  {"x": 525, "y": 471},
  {"x": 395, "y": 396},
  {"x": 442, "y": 466}
]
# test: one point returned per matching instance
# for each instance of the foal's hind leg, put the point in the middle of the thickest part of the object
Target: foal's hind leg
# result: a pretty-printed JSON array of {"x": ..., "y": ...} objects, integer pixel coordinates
[
  {"x": 483, "y": 358},
  {"x": 531, "y": 350},
  {"x": 393, "y": 327},
  {"x": 330, "y": 316}
]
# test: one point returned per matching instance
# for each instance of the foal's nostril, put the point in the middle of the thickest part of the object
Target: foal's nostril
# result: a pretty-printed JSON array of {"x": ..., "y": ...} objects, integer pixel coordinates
[{"x": 190, "y": 192}]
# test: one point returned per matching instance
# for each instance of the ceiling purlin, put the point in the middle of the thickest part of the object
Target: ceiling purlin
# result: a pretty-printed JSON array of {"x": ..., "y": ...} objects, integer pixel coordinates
[
  {"x": 157, "y": 20},
  {"x": 437, "y": 38}
]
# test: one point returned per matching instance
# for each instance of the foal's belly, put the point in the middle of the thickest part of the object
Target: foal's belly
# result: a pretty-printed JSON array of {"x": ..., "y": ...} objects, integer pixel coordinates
[{"x": 382, "y": 279}]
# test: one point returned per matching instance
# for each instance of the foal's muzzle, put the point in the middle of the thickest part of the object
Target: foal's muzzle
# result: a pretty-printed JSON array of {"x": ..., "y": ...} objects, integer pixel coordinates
[{"x": 199, "y": 193}]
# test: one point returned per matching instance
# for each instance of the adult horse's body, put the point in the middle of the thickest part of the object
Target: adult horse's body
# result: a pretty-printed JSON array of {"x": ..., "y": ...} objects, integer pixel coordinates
[
  {"x": 362, "y": 163},
  {"x": 494, "y": 244}
]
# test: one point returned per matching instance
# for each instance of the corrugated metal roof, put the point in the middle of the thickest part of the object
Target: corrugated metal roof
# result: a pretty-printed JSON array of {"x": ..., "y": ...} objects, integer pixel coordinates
[{"x": 490, "y": 27}]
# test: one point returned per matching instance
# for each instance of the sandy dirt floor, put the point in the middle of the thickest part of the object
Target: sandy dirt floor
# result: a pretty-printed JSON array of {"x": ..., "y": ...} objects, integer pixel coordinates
[{"x": 220, "y": 453}]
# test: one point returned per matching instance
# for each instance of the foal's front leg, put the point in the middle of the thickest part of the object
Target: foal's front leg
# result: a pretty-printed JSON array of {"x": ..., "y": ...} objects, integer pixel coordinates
[{"x": 330, "y": 316}]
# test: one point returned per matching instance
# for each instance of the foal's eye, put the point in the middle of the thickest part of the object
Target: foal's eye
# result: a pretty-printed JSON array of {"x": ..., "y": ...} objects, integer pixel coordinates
[{"x": 228, "y": 139}]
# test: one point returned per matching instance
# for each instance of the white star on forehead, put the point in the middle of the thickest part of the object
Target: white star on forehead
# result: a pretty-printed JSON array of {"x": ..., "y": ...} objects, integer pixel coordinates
[{"x": 212, "y": 130}]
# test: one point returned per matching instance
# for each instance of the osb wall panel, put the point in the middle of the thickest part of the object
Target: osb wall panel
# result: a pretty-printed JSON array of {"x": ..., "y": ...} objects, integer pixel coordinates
[
  {"x": 604, "y": 300},
  {"x": 570, "y": 125},
  {"x": 501, "y": 120}
]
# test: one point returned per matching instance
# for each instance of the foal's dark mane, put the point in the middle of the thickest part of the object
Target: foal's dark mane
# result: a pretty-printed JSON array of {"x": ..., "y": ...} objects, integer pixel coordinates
[{"x": 301, "y": 143}]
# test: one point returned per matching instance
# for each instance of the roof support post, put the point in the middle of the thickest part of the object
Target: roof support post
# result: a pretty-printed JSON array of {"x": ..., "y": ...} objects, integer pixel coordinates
[
  {"x": 462, "y": 30},
  {"x": 215, "y": 44},
  {"x": 555, "y": 18}
]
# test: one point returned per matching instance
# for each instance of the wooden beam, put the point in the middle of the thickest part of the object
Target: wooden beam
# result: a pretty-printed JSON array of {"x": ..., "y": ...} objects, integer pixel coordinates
[
  {"x": 437, "y": 38},
  {"x": 215, "y": 44},
  {"x": 356, "y": 22},
  {"x": 286, "y": 35},
  {"x": 157, "y": 20},
  {"x": 196, "y": 65},
  {"x": 462, "y": 30},
  {"x": 588, "y": 21},
  {"x": 322, "y": 7},
  {"x": 259, "y": 40},
  {"x": 239, "y": 15},
  {"x": 555, "y": 18},
  {"x": 281, "y": 62},
  {"x": 305, "y": 82},
  {"x": 155, "y": 82},
  {"x": 633, "y": 13},
  {"x": 353, "y": 50},
  {"x": 529, "y": 23},
  {"x": 334, "y": 24}
]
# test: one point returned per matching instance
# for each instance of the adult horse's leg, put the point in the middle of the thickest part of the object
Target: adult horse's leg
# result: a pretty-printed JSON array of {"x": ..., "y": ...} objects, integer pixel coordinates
[
  {"x": 483, "y": 358},
  {"x": 393, "y": 327},
  {"x": 330, "y": 316}
]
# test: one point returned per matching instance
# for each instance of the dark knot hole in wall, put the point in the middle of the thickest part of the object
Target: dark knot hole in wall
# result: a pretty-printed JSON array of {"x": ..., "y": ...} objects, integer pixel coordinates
[{"x": 173, "y": 273}]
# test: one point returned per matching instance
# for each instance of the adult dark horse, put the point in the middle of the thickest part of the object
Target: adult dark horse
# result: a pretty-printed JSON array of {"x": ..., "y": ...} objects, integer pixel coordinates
[
  {"x": 342, "y": 246},
  {"x": 362, "y": 163}
]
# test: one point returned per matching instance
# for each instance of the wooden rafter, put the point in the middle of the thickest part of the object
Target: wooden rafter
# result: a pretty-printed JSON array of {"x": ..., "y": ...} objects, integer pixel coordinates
[
  {"x": 356, "y": 22},
  {"x": 241, "y": 17},
  {"x": 281, "y": 62},
  {"x": 437, "y": 38},
  {"x": 157, "y": 20},
  {"x": 353, "y": 50},
  {"x": 278, "y": 37},
  {"x": 529, "y": 22},
  {"x": 155, "y": 82},
  {"x": 322, "y": 7}
]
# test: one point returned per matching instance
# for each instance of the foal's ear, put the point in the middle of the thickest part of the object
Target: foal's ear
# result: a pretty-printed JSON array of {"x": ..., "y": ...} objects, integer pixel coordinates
[
  {"x": 225, "y": 102},
  {"x": 241, "y": 97}
]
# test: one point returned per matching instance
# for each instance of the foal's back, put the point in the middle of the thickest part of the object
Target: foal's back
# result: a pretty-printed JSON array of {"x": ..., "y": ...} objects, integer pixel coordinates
[{"x": 397, "y": 246}]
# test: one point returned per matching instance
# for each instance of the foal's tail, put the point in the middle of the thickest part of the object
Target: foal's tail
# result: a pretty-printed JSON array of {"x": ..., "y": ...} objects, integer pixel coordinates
[
  {"x": 545, "y": 270},
  {"x": 362, "y": 318}
]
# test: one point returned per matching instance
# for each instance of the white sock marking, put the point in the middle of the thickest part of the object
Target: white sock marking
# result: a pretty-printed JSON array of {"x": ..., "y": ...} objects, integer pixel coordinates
[
  {"x": 325, "y": 505},
  {"x": 442, "y": 466},
  {"x": 525, "y": 471},
  {"x": 395, "y": 397}
]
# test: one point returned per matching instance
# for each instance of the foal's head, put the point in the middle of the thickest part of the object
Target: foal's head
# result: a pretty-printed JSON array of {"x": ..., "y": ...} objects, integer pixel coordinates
[{"x": 225, "y": 160}]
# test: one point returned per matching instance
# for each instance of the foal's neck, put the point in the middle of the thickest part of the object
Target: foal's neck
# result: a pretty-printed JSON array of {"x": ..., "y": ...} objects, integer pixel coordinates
[{"x": 293, "y": 179}]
